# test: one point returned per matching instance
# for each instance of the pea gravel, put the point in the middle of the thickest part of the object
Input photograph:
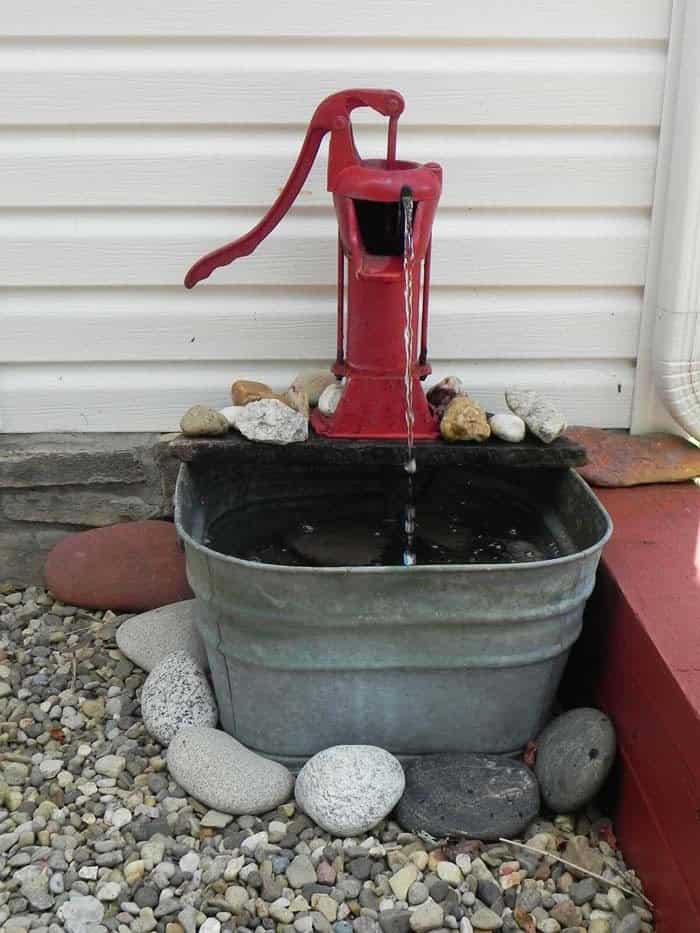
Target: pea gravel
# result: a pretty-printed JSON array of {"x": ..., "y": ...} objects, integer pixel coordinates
[{"x": 95, "y": 835}]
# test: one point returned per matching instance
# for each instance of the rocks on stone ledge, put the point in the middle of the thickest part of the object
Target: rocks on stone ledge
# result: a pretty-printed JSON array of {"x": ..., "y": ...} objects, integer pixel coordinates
[
  {"x": 177, "y": 694},
  {"x": 244, "y": 391},
  {"x": 221, "y": 773},
  {"x": 575, "y": 753},
  {"x": 541, "y": 417},
  {"x": 200, "y": 421},
  {"x": 347, "y": 789},
  {"x": 442, "y": 393},
  {"x": 330, "y": 398},
  {"x": 270, "y": 421},
  {"x": 132, "y": 566},
  {"x": 313, "y": 382},
  {"x": 464, "y": 420},
  {"x": 507, "y": 427},
  {"x": 149, "y": 637}
]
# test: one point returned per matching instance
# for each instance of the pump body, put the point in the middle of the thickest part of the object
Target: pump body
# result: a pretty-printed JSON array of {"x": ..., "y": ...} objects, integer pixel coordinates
[{"x": 367, "y": 196}]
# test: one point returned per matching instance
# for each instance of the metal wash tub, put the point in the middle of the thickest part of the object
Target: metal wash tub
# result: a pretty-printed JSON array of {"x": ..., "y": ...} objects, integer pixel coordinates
[{"x": 414, "y": 659}]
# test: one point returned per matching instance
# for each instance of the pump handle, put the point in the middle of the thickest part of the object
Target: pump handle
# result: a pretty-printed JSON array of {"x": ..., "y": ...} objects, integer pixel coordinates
[{"x": 331, "y": 116}]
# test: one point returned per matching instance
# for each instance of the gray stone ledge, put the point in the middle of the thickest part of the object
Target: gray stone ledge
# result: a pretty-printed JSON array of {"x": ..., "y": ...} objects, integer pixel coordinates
[{"x": 54, "y": 484}]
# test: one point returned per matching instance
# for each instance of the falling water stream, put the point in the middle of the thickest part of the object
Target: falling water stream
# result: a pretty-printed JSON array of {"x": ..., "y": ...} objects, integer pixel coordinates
[{"x": 409, "y": 553}]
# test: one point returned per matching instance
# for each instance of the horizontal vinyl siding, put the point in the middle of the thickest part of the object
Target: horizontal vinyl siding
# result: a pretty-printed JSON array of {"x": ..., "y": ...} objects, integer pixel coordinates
[{"x": 135, "y": 138}]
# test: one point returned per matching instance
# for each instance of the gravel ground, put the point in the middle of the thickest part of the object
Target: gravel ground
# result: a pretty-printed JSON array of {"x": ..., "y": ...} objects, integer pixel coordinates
[{"x": 95, "y": 836}]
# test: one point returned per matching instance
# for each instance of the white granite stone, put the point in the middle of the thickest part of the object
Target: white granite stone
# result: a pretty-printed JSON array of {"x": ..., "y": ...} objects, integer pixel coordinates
[
  {"x": 176, "y": 694},
  {"x": 347, "y": 789}
]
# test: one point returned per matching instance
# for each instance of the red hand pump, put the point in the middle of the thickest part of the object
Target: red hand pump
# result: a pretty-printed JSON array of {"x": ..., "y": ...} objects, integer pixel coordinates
[{"x": 367, "y": 195}]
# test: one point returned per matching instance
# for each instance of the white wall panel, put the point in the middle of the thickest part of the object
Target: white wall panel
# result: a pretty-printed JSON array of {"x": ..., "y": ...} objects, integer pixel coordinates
[
  {"x": 136, "y": 136},
  {"x": 552, "y": 19}
]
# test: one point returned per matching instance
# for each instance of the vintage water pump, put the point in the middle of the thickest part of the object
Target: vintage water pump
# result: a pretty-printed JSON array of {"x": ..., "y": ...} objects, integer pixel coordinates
[{"x": 369, "y": 197}]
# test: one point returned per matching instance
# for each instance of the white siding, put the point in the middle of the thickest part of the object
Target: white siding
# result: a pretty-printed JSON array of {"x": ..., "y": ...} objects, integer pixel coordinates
[{"x": 136, "y": 136}]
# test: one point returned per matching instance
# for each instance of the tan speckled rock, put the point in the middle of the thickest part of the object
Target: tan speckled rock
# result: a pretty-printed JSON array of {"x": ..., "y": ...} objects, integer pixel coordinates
[{"x": 464, "y": 420}]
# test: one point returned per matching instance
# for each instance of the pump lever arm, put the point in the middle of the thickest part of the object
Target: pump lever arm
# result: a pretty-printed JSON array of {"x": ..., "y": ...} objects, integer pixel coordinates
[{"x": 331, "y": 115}]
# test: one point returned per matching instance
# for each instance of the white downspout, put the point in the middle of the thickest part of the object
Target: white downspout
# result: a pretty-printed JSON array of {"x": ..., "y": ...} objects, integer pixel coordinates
[{"x": 675, "y": 283}]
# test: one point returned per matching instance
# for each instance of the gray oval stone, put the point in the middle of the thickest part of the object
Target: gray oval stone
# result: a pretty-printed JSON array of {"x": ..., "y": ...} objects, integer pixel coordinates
[
  {"x": 347, "y": 789},
  {"x": 480, "y": 796},
  {"x": 226, "y": 776},
  {"x": 149, "y": 637},
  {"x": 176, "y": 694},
  {"x": 575, "y": 753}
]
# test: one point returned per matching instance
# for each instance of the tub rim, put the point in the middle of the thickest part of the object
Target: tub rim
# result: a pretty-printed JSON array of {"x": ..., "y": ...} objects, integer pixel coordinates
[{"x": 416, "y": 569}]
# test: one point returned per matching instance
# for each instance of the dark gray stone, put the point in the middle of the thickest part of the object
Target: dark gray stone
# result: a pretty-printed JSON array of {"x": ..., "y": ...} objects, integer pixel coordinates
[
  {"x": 582, "y": 892},
  {"x": 479, "y": 796},
  {"x": 530, "y": 896},
  {"x": 629, "y": 924},
  {"x": 360, "y": 868},
  {"x": 439, "y": 891},
  {"x": 147, "y": 896},
  {"x": 308, "y": 890},
  {"x": 488, "y": 892},
  {"x": 394, "y": 920},
  {"x": 575, "y": 753},
  {"x": 369, "y": 899}
]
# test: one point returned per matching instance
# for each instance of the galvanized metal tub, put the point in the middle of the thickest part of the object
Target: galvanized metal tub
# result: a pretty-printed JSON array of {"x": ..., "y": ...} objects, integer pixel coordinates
[{"x": 415, "y": 659}]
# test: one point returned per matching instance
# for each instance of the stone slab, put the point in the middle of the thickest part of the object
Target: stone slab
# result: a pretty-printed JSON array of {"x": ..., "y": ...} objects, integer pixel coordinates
[
  {"x": 30, "y": 460},
  {"x": 530, "y": 453},
  {"x": 23, "y": 550},
  {"x": 77, "y": 506},
  {"x": 617, "y": 458}
]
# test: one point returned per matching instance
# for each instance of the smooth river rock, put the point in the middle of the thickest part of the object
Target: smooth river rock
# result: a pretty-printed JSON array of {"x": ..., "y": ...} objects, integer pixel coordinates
[
  {"x": 575, "y": 753},
  {"x": 176, "y": 694},
  {"x": 151, "y": 636},
  {"x": 347, "y": 789},
  {"x": 132, "y": 567},
  {"x": 542, "y": 418},
  {"x": 330, "y": 398},
  {"x": 270, "y": 421},
  {"x": 224, "y": 775},
  {"x": 479, "y": 796}
]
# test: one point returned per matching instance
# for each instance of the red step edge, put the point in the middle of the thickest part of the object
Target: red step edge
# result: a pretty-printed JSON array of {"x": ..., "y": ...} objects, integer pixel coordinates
[{"x": 640, "y": 659}]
